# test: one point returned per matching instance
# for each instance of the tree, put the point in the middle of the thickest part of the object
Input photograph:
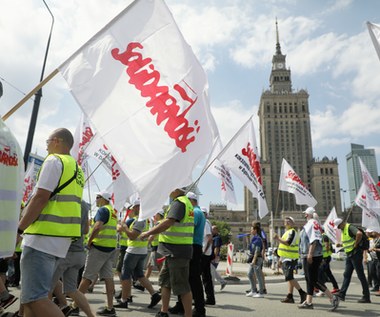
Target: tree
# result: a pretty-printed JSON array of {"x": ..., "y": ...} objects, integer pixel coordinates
[{"x": 224, "y": 230}]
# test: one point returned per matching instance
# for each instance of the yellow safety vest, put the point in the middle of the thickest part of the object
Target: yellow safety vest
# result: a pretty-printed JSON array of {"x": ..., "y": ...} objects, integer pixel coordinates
[
  {"x": 347, "y": 241},
  {"x": 180, "y": 232},
  {"x": 325, "y": 253},
  {"x": 289, "y": 251},
  {"x": 138, "y": 243},
  {"x": 107, "y": 236},
  {"x": 155, "y": 240},
  {"x": 123, "y": 241},
  {"x": 61, "y": 217}
]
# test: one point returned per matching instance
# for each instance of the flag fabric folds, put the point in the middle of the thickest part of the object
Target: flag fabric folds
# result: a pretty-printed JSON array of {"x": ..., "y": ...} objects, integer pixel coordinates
[
  {"x": 370, "y": 219},
  {"x": 11, "y": 189},
  {"x": 329, "y": 226},
  {"x": 242, "y": 157},
  {"x": 374, "y": 32},
  {"x": 370, "y": 191},
  {"x": 145, "y": 92},
  {"x": 290, "y": 182}
]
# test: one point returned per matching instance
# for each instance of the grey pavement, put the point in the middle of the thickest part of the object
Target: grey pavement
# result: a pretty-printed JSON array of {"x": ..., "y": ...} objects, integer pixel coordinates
[{"x": 233, "y": 302}]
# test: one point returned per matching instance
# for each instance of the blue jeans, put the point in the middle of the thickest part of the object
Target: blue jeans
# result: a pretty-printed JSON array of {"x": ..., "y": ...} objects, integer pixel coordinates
[
  {"x": 255, "y": 271},
  {"x": 354, "y": 262}
]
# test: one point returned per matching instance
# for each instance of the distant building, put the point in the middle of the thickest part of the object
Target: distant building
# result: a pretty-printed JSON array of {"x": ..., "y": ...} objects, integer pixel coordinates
[{"x": 368, "y": 157}]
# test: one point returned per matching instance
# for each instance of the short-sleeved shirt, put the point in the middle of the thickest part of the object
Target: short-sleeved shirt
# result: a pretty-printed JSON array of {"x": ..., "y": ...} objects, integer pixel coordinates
[
  {"x": 103, "y": 215},
  {"x": 48, "y": 179},
  {"x": 256, "y": 245},
  {"x": 177, "y": 211},
  {"x": 216, "y": 243},
  {"x": 207, "y": 232},
  {"x": 199, "y": 225}
]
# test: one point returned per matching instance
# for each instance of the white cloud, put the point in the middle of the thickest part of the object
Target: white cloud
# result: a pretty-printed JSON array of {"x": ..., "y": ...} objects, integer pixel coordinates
[{"x": 339, "y": 5}]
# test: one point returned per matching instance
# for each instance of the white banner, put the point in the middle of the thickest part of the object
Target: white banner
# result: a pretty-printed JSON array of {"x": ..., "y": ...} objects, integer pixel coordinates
[
  {"x": 370, "y": 218},
  {"x": 370, "y": 190},
  {"x": 11, "y": 189},
  {"x": 329, "y": 227},
  {"x": 374, "y": 32},
  {"x": 291, "y": 183},
  {"x": 29, "y": 182},
  {"x": 142, "y": 87},
  {"x": 242, "y": 157}
]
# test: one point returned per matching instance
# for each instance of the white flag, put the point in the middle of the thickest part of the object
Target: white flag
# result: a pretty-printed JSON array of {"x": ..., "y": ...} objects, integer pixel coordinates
[
  {"x": 142, "y": 87},
  {"x": 29, "y": 182},
  {"x": 242, "y": 157},
  {"x": 374, "y": 32},
  {"x": 223, "y": 173},
  {"x": 329, "y": 227},
  {"x": 11, "y": 189},
  {"x": 83, "y": 136},
  {"x": 371, "y": 193},
  {"x": 290, "y": 182},
  {"x": 370, "y": 218}
]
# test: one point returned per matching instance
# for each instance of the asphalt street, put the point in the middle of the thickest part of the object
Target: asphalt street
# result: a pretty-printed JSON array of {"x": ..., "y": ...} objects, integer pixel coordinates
[{"x": 233, "y": 302}]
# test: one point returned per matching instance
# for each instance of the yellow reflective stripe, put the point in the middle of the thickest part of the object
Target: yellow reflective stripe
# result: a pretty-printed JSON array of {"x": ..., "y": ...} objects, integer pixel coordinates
[
  {"x": 187, "y": 224},
  {"x": 66, "y": 198},
  {"x": 177, "y": 234}
]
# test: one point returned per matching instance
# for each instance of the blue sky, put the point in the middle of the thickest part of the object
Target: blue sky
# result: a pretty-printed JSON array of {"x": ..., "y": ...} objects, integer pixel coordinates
[{"x": 327, "y": 45}]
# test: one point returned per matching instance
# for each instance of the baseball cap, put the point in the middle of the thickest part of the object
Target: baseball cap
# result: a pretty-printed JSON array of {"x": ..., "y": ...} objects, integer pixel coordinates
[
  {"x": 191, "y": 195},
  {"x": 369, "y": 230},
  {"x": 337, "y": 222},
  {"x": 309, "y": 211},
  {"x": 104, "y": 194},
  {"x": 290, "y": 218},
  {"x": 136, "y": 202},
  {"x": 205, "y": 210}
]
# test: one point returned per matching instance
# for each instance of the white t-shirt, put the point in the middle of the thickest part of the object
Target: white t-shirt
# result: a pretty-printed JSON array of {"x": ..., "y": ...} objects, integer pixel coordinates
[
  {"x": 48, "y": 179},
  {"x": 207, "y": 233}
]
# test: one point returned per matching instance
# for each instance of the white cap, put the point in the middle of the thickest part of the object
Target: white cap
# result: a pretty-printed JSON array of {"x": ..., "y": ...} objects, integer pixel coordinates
[
  {"x": 369, "y": 230},
  {"x": 105, "y": 195},
  {"x": 290, "y": 218},
  {"x": 205, "y": 210},
  {"x": 309, "y": 211},
  {"x": 192, "y": 196},
  {"x": 337, "y": 222},
  {"x": 136, "y": 202}
]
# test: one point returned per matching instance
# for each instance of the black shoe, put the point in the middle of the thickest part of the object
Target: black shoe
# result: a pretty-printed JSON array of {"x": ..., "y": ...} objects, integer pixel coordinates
[
  {"x": 341, "y": 296},
  {"x": 177, "y": 309},
  {"x": 8, "y": 302},
  {"x": 161, "y": 314},
  {"x": 210, "y": 302},
  {"x": 74, "y": 311},
  {"x": 106, "y": 312},
  {"x": 118, "y": 295},
  {"x": 364, "y": 300},
  {"x": 265, "y": 291},
  {"x": 154, "y": 300},
  {"x": 374, "y": 289},
  {"x": 121, "y": 305},
  {"x": 139, "y": 287},
  {"x": 66, "y": 311},
  {"x": 288, "y": 300},
  {"x": 195, "y": 313}
]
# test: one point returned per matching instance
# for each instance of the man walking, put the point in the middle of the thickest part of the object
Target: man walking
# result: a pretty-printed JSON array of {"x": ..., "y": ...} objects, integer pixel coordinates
[{"x": 50, "y": 221}]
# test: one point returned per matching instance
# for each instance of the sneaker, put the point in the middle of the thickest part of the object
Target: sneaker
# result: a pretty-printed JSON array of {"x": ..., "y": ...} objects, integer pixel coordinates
[
  {"x": 265, "y": 291},
  {"x": 176, "y": 309},
  {"x": 341, "y": 296},
  {"x": 8, "y": 302},
  {"x": 305, "y": 305},
  {"x": 66, "y": 311},
  {"x": 155, "y": 298},
  {"x": 139, "y": 287},
  {"x": 248, "y": 291},
  {"x": 121, "y": 304},
  {"x": 303, "y": 297},
  {"x": 320, "y": 294},
  {"x": 258, "y": 295},
  {"x": 250, "y": 294},
  {"x": 223, "y": 285},
  {"x": 288, "y": 300},
  {"x": 335, "y": 290},
  {"x": 74, "y": 311},
  {"x": 334, "y": 303},
  {"x": 106, "y": 312},
  {"x": 364, "y": 300},
  {"x": 161, "y": 314},
  {"x": 195, "y": 313}
]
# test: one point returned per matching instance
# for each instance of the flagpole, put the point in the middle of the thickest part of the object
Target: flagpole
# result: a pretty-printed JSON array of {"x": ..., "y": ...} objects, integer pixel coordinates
[
  {"x": 221, "y": 152},
  {"x": 30, "y": 94},
  {"x": 97, "y": 166}
]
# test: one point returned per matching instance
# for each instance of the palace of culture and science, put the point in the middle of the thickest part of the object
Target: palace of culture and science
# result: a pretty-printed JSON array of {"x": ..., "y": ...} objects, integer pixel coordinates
[{"x": 285, "y": 133}]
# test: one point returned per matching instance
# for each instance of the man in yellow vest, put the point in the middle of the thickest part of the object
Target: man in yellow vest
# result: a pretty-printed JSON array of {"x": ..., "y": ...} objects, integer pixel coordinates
[
  {"x": 51, "y": 220},
  {"x": 102, "y": 247},
  {"x": 288, "y": 251},
  {"x": 176, "y": 244},
  {"x": 351, "y": 239},
  {"x": 134, "y": 259}
]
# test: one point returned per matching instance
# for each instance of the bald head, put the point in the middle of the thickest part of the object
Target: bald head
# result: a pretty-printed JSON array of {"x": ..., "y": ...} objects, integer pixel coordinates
[{"x": 60, "y": 141}]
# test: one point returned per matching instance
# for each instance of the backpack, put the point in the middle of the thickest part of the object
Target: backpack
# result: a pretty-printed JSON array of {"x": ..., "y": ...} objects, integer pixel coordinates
[{"x": 364, "y": 244}]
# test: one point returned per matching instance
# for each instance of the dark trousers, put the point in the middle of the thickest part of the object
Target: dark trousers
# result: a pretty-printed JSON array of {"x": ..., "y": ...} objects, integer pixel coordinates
[
  {"x": 311, "y": 275},
  {"x": 195, "y": 280},
  {"x": 373, "y": 273},
  {"x": 326, "y": 274},
  {"x": 355, "y": 262},
  {"x": 207, "y": 278}
]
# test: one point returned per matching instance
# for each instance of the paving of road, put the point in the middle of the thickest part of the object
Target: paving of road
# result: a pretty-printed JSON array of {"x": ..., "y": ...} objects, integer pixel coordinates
[{"x": 232, "y": 302}]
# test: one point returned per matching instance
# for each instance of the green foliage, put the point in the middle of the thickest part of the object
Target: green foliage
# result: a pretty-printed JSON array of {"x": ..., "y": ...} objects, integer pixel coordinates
[{"x": 224, "y": 230}]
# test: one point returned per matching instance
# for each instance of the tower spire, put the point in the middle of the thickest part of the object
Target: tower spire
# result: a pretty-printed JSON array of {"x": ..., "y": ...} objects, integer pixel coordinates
[{"x": 278, "y": 47}]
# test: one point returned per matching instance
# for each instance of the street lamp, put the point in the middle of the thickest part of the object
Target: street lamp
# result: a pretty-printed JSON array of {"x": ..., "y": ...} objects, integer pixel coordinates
[
  {"x": 37, "y": 99},
  {"x": 344, "y": 200}
]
